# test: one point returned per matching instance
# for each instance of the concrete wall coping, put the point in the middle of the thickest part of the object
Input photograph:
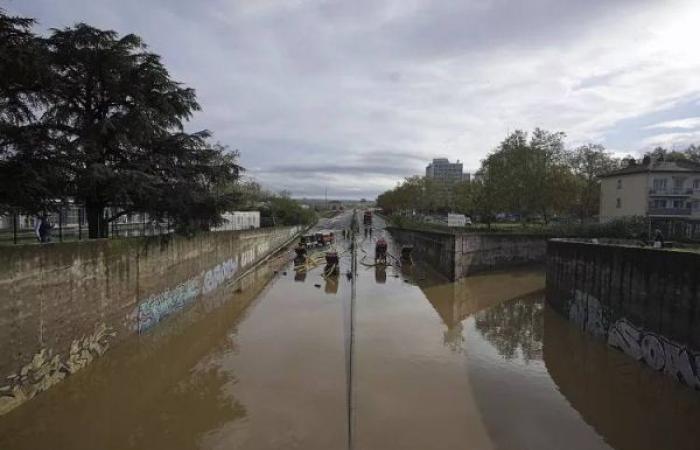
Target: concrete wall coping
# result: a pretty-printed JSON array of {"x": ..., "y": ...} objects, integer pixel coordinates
[
  {"x": 470, "y": 233},
  {"x": 621, "y": 244}
]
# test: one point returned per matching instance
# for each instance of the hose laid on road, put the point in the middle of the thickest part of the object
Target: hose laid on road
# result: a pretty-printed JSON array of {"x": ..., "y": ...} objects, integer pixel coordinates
[{"x": 362, "y": 261}]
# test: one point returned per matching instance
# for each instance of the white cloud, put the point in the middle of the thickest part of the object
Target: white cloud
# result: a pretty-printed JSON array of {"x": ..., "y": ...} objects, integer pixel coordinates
[
  {"x": 672, "y": 140},
  {"x": 687, "y": 123}
]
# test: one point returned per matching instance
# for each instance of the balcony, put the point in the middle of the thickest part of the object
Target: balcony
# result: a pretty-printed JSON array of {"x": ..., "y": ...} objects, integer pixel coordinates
[
  {"x": 678, "y": 192},
  {"x": 669, "y": 211}
]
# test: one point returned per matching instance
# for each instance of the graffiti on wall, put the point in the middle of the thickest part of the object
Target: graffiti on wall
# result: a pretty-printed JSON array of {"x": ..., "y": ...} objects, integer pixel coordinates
[
  {"x": 157, "y": 307},
  {"x": 47, "y": 368},
  {"x": 656, "y": 351},
  {"x": 247, "y": 257},
  {"x": 213, "y": 278},
  {"x": 586, "y": 311}
]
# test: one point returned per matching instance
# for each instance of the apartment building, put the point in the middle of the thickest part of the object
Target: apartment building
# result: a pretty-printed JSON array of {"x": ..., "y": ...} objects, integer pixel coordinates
[
  {"x": 442, "y": 170},
  {"x": 665, "y": 191}
]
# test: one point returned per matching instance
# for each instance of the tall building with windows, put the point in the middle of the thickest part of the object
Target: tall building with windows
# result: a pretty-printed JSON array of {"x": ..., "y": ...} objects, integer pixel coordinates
[
  {"x": 442, "y": 170},
  {"x": 667, "y": 192}
]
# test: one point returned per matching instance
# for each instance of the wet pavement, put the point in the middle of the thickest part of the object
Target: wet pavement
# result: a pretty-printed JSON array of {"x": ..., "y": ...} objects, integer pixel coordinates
[{"x": 478, "y": 364}]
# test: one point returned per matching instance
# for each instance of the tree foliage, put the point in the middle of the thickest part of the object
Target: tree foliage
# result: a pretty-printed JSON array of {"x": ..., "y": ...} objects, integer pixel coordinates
[
  {"x": 281, "y": 209},
  {"x": 102, "y": 124},
  {"x": 530, "y": 176}
]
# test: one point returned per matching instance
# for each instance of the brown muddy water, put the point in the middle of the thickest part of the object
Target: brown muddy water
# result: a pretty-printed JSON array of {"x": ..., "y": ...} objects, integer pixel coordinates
[{"x": 478, "y": 364}]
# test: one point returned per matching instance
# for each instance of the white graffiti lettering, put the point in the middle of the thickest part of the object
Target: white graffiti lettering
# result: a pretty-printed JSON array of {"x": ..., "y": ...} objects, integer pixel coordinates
[
  {"x": 247, "y": 257},
  {"x": 625, "y": 337},
  {"x": 213, "y": 278},
  {"x": 586, "y": 311},
  {"x": 157, "y": 307},
  {"x": 659, "y": 353}
]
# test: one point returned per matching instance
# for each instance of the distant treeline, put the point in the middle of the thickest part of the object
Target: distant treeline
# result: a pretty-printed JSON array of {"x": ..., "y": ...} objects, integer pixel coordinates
[{"x": 527, "y": 176}]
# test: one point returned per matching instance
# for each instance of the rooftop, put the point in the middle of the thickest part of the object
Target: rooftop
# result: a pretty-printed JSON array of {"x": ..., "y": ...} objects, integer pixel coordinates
[{"x": 676, "y": 166}]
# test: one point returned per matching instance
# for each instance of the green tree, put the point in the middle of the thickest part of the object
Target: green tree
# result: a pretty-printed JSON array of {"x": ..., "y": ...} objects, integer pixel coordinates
[
  {"x": 26, "y": 178},
  {"x": 22, "y": 72},
  {"x": 464, "y": 197},
  {"x": 281, "y": 209},
  {"x": 111, "y": 129},
  {"x": 588, "y": 162},
  {"x": 526, "y": 175}
]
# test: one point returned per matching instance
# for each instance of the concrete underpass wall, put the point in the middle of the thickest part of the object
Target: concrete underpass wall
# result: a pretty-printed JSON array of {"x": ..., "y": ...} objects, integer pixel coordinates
[
  {"x": 492, "y": 251},
  {"x": 434, "y": 249},
  {"x": 643, "y": 301},
  {"x": 63, "y": 305},
  {"x": 462, "y": 254}
]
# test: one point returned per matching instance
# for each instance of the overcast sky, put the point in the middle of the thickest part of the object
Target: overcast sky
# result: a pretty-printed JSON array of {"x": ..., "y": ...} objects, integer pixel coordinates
[{"x": 353, "y": 95}]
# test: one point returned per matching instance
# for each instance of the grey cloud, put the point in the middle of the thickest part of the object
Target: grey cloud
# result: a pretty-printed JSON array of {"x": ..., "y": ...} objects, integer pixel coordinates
[{"x": 351, "y": 96}]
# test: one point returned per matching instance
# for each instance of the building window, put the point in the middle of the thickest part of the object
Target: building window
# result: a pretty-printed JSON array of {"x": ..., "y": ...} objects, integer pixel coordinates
[
  {"x": 678, "y": 203},
  {"x": 658, "y": 203},
  {"x": 659, "y": 184},
  {"x": 696, "y": 183},
  {"x": 619, "y": 203},
  {"x": 619, "y": 184},
  {"x": 678, "y": 183}
]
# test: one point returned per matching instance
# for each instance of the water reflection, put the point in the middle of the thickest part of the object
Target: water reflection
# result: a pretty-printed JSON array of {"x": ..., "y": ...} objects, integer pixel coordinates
[
  {"x": 515, "y": 327},
  {"x": 632, "y": 406},
  {"x": 380, "y": 274},
  {"x": 456, "y": 301},
  {"x": 540, "y": 363},
  {"x": 331, "y": 286},
  {"x": 453, "y": 338}
]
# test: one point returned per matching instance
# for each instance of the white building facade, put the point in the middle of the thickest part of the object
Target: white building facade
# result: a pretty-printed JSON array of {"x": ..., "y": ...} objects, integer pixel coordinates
[{"x": 239, "y": 220}]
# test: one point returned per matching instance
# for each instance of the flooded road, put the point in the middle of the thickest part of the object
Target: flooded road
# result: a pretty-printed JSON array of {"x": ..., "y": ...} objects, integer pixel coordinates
[{"x": 478, "y": 364}]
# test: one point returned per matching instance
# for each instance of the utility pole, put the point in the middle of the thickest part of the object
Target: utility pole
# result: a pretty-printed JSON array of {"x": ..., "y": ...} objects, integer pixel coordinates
[
  {"x": 350, "y": 327},
  {"x": 650, "y": 184}
]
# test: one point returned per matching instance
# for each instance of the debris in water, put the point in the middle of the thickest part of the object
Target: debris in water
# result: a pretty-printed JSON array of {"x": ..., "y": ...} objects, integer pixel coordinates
[
  {"x": 317, "y": 285},
  {"x": 284, "y": 273}
]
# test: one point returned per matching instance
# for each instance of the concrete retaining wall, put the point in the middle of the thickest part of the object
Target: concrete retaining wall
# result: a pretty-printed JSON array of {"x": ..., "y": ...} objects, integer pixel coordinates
[
  {"x": 491, "y": 251},
  {"x": 460, "y": 255},
  {"x": 643, "y": 301},
  {"x": 434, "y": 249},
  {"x": 63, "y": 305}
]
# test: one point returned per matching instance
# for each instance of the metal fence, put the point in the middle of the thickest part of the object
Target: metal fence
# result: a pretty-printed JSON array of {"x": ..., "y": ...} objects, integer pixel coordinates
[{"x": 69, "y": 223}]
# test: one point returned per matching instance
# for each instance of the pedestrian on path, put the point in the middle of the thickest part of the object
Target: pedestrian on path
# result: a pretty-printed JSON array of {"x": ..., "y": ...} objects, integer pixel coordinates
[{"x": 45, "y": 227}]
